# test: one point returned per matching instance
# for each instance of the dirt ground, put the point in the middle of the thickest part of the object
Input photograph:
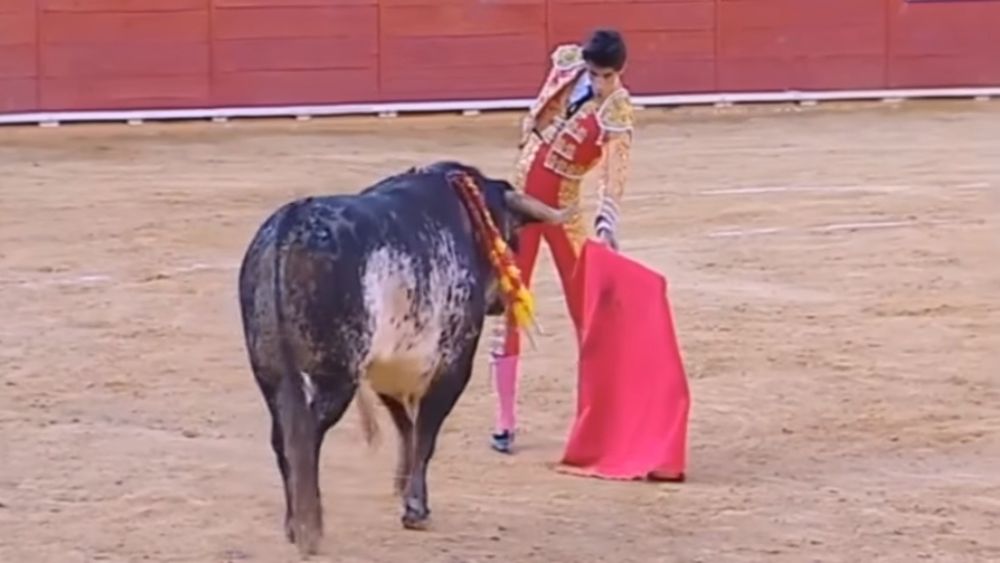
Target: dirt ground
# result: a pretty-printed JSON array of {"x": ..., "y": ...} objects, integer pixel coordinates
[{"x": 834, "y": 273}]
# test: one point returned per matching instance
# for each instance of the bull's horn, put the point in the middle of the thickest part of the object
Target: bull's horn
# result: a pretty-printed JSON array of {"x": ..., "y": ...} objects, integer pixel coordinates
[{"x": 535, "y": 209}]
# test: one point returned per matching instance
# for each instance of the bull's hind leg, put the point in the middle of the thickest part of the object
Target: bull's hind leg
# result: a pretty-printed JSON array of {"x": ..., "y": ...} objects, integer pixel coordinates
[
  {"x": 434, "y": 408},
  {"x": 405, "y": 427},
  {"x": 332, "y": 394},
  {"x": 306, "y": 407},
  {"x": 278, "y": 446}
]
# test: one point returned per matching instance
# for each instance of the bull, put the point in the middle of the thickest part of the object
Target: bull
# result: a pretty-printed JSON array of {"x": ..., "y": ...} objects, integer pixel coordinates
[{"x": 382, "y": 293}]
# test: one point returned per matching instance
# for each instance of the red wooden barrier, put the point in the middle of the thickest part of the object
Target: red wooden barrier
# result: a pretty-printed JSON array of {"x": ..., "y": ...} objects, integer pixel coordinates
[
  {"x": 128, "y": 54},
  {"x": 123, "y": 53},
  {"x": 456, "y": 49},
  {"x": 790, "y": 44},
  {"x": 284, "y": 52},
  {"x": 18, "y": 62},
  {"x": 944, "y": 43},
  {"x": 671, "y": 42}
]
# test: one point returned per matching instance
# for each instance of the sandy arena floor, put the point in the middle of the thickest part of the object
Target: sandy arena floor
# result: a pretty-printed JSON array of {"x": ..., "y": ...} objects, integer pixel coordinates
[{"x": 834, "y": 272}]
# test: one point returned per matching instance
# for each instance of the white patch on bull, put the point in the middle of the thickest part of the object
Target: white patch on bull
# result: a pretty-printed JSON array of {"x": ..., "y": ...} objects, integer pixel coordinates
[
  {"x": 406, "y": 330},
  {"x": 308, "y": 388}
]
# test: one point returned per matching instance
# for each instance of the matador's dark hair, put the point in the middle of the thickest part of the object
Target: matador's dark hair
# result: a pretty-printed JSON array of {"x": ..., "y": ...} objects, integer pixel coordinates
[{"x": 605, "y": 48}]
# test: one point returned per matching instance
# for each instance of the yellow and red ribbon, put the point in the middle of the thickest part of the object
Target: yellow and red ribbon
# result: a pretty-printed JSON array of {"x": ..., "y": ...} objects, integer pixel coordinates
[{"x": 520, "y": 303}]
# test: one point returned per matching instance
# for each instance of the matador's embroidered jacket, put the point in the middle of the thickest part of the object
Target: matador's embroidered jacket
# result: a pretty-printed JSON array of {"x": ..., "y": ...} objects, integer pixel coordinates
[{"x": 580, "y": 134}]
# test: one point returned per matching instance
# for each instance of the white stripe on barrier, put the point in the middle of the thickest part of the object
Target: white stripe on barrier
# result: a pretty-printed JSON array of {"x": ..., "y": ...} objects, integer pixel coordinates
[{"x": 472, "y": 107}]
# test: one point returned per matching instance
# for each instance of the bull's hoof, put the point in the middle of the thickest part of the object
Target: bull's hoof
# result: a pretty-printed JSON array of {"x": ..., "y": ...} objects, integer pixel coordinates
[
  {"x": 416, "y": 516},
  {"x": 415, "y": 522},
  {"x": 307, "y": 550},
  {"x": 308, "y": 543},
  {"x": 289, "y": 533}
]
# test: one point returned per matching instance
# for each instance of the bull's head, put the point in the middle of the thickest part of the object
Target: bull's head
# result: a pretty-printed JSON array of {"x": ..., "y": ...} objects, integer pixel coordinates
[
  {"x": 509, "y": 209},
  {"x": 512, "y": 210}
]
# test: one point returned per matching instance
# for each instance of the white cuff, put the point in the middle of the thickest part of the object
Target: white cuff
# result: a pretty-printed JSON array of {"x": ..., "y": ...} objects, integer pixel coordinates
[{"x": 607, "y": 216}]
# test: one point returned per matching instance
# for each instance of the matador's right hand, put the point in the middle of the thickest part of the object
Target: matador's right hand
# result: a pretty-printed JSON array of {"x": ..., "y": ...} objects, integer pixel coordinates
[{"x": 569, "y": 213}]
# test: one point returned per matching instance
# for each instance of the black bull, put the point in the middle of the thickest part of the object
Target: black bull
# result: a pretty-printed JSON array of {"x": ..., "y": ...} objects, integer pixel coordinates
[{"x": 382, "y": 292}]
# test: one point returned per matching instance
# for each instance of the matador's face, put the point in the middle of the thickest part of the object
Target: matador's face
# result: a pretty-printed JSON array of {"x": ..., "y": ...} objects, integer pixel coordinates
[{"x": 604, "y": 80}]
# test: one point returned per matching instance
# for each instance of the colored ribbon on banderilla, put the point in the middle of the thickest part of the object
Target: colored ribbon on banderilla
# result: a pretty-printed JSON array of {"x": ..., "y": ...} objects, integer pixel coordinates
[{"x": 520, "y": 304}]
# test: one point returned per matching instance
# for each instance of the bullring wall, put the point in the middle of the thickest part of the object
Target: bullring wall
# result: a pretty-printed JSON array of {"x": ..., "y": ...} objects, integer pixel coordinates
[{"x": 58, "y": 55}]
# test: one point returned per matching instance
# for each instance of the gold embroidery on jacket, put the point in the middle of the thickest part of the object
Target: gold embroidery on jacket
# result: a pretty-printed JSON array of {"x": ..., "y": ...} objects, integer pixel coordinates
[{"x": 617, "y": 119}]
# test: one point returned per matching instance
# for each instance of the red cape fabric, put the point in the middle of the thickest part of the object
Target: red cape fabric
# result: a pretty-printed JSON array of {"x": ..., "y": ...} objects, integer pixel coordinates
[{"x": 633, "y": 399}]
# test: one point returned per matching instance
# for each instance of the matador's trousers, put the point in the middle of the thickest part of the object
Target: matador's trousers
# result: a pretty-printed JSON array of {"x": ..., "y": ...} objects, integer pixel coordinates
[{"x": 564, "y": 242}]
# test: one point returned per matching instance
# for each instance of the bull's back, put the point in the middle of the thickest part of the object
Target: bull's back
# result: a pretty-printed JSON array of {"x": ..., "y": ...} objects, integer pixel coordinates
[{"x": 372, "y": 282}]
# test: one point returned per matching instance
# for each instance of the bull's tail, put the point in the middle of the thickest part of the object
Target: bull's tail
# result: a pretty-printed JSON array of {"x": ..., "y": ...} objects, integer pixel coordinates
[
  {"x": 298, "y": 425},
  {"x": 366, "y": 410}
]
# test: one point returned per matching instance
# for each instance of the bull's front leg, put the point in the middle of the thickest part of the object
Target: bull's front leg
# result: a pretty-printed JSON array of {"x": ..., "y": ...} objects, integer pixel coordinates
[{"x": 434, "y": 408}]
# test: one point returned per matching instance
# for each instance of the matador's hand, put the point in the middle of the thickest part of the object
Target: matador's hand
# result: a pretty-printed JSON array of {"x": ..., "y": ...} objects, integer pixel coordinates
[{"x": 568, "y": 213}]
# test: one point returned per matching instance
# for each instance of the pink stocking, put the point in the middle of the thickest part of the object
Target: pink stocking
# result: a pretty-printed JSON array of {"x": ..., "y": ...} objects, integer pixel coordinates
[{"x": 505, "y": 378}]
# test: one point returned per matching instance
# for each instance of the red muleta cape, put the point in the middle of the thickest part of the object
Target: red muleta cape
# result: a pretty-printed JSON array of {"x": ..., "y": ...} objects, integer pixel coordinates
[{"x": 633, "y": 398}]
